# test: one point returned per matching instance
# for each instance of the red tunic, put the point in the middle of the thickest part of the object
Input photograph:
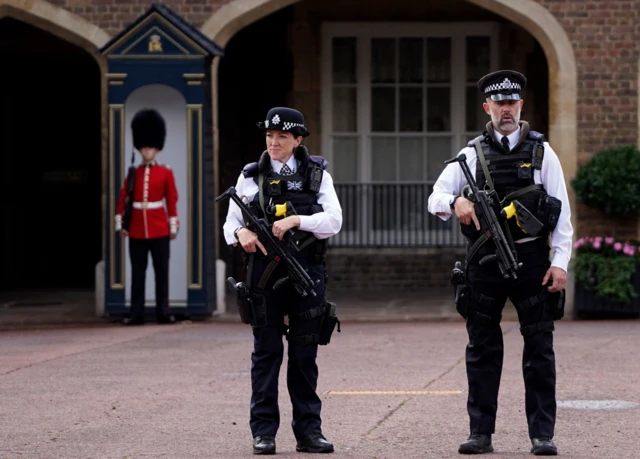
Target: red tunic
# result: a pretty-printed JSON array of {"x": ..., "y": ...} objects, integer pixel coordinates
[{"x": 149, "y": 218}]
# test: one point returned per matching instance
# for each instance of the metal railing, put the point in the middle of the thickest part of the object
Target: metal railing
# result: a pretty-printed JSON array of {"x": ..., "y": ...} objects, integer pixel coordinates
[{"x": 384, "y": 214}]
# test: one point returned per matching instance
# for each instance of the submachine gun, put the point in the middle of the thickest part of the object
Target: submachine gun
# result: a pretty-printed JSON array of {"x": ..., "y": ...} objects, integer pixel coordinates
[
  {"x": 277, "y": 250},
  {"x": 487, "y": 199}
]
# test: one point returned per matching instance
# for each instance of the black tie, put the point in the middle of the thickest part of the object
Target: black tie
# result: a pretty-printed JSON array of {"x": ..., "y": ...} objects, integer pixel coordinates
[
  {"x": 505, "y": 143},
  {"x": 286, "y": 170}
]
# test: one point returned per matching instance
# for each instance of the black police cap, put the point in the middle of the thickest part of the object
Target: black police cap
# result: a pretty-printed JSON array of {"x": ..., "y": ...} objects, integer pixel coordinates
[
  {"x": 284, "y": 119},
  {"x": 502, "y": 85}
]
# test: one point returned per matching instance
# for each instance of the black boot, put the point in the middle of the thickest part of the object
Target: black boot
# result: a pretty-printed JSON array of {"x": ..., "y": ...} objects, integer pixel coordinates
[
  {"x": 543, "y": 446},
  {"x": 476, "y": 444},
  {"x": 264, "y": 444},
  {"x": 314, "y": 443}
]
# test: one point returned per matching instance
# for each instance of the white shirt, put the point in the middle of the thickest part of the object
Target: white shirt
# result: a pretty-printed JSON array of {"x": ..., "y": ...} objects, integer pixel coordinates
[
  {"x": 452, "y": 180},
  {"x": 322, "y": 224}
]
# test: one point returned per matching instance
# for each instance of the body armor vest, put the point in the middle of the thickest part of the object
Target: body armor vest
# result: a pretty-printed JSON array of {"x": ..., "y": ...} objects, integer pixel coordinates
[
  {"x": 300, "y": 189},
  {"x": 511, "y": 172}
]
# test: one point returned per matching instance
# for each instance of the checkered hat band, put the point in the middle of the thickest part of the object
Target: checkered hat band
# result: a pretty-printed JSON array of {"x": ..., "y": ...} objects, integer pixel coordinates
[{"x": 506, "y": 84}]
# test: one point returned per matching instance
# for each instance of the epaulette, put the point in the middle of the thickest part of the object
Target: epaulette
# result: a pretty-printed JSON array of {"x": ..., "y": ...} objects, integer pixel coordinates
[
  {"x": 320, "y": 161},
  {"x": 164, "y": 165},
  {"x": 472, "y": 142},
  {"x": 250, "y": 170},
  {"x": 536, "y": 136}
]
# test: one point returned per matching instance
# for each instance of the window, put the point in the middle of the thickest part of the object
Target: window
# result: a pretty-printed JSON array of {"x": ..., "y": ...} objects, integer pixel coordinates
[{"x": 398, "y": 100}]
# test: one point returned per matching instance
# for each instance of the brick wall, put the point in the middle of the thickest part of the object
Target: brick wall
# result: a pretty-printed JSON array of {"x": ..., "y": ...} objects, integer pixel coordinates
[
  {"x": 605, "y": 35},
  {"x": 115, "y": 15},
  {"x": 391, "y": 269}
]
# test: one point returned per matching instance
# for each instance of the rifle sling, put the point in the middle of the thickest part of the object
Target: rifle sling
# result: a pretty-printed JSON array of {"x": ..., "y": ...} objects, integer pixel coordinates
[
  {"x": 483, "y": 163},
  {"x": 267, "y": 273},
  {"x": 489, "y": 181}
]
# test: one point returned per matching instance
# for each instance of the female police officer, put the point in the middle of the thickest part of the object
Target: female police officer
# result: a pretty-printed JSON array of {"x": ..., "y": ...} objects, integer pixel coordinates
[{"x": 286, "y": 173}]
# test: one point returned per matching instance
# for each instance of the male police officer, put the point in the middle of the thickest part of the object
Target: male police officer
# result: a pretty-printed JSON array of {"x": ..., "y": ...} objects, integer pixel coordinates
[
  {"x": 286, "y": 175},
  {"x": 524, "y": 170},
  {"x": 151, "y": 226}
]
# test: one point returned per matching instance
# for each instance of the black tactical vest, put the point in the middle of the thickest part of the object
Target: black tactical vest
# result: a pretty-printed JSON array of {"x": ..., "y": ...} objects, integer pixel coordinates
[
  {"x": 511, "y": 171},
  {"x": 300, "y": 189}
]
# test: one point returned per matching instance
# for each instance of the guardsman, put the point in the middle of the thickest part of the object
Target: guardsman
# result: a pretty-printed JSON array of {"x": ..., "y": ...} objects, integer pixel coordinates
[{"x": 153, "y": 220}]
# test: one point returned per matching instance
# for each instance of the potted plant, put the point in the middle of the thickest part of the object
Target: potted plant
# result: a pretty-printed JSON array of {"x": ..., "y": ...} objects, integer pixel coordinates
[
  {"x": 606, "y": 267},
  {"x": 607, "y": 275}
]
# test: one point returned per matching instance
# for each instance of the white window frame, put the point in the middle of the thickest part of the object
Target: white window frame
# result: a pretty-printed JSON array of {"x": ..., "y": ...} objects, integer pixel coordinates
[{"x": 364, "y": 32}]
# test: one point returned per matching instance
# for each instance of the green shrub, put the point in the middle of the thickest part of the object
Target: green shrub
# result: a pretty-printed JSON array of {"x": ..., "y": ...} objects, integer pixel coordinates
[{"x": 610, "y": 181}]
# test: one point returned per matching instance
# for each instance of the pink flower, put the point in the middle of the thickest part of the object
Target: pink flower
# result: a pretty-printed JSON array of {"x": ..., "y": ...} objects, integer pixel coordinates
[
  {"x": 608, "y": 240},
  {"x": 596, "y": 245},
  {"x": 617, "y": 247}
]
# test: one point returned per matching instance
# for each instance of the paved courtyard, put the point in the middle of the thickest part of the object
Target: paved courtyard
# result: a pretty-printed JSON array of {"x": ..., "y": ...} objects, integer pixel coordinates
[{"x": 389, "y": 390}]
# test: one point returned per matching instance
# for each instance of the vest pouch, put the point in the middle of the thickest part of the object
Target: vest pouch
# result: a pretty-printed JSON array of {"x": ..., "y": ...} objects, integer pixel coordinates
[
  {"x": 329, "y": 323},
  {"x": 556, "y": 301},
  {"x": 549, "y": 211}
]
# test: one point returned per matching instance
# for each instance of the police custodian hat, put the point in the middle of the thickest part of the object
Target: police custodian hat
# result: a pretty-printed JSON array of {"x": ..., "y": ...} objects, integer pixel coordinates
[
  {"x": 149, "y": 129},
  {"x": 284, "y": 119},
  {"x": 502, "y": 85}
]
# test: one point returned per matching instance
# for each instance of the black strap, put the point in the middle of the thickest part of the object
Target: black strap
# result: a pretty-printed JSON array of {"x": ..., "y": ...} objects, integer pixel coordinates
[
  {"x": 306, "y": 339},
  {"x": 516, "y": 194},
  {"x": 312, "y": 313},
  {"x": 483, "y": 163},
  {"x": 537, "y": 327},
  {"x": 476, "y": 246},
  {"x": 261, "y": 193},
  {"x": 532, "y": 300}
]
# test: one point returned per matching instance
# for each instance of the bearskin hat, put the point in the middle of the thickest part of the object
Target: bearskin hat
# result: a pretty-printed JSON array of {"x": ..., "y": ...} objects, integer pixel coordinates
[{"x": 149, "y": 129}]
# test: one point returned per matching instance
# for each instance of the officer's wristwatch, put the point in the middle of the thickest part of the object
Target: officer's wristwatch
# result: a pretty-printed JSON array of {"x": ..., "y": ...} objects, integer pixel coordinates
[{"x": 452, "y": 203}]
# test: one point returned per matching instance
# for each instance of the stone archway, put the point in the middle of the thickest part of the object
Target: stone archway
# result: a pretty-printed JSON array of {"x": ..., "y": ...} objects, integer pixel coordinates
[
  {"x": 56, "y": 21},
  {"x": 86, "y": 38},
  {"x": 531, "y": 16}
]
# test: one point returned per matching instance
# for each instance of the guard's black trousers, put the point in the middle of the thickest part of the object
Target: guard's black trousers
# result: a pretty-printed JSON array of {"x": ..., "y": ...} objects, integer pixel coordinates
[
  {"x": 139, "y": 250},
  {"x": 268, "y": 350},
  {"x": 484, "y": 354}
]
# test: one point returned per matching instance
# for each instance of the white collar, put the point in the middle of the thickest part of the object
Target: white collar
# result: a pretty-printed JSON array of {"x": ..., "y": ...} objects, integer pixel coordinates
[
  {"x": 513, "y": 137},
  {"x": 277, "y": 165}
]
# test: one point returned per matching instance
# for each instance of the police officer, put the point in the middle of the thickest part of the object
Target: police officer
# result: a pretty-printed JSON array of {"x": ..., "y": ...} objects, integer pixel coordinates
[
  {"x": 520, "y": 166},
  {"x": 151, "y": 225},
  {"x": 285, "y": 172}
]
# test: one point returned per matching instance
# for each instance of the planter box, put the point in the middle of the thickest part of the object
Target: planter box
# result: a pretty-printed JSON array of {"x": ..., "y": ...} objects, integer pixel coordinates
[{"x": 586, "y": 301}]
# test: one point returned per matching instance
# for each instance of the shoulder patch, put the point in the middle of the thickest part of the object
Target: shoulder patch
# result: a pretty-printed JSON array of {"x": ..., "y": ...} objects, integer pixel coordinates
[
  {"x": 319, "y": 160},
  {"x": 165, "y": 165},
  {"x": 250, "y": 170},
  {"x": 536, "y": 136}
]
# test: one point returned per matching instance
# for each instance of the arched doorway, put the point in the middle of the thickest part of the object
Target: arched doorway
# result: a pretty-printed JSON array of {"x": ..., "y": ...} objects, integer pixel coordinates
[
  {"x": 50, "y": 161},
  {"x": 550, "y": 45}
]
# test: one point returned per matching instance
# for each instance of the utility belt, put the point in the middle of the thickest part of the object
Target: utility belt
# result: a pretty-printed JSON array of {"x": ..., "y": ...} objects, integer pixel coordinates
[
  {"x": 252, "y": 308},
  {"x": 487, "y": 247}
]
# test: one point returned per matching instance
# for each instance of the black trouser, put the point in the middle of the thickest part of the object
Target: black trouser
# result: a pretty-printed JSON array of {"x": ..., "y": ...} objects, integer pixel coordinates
[
  {"x": 139, "y": 253},
  {"x": 484, "y": 353},
  {"x": 267, "y": 356}
]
